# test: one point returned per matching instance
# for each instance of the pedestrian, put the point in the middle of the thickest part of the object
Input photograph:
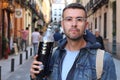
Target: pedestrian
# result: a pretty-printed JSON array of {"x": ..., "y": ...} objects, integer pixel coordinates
[
  {"x": 99, "y": 39},
  {"x": 42, "y": 34},
  {"x": 24, "y": 38},
  {"x": 75, "y": 58},
  {"x": 36, "y": 37},
  {"x": 57, "y": 36}
]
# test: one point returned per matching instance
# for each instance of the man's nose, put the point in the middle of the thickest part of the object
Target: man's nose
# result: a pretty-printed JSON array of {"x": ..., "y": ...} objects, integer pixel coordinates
[{"x": 74, "y": 22}]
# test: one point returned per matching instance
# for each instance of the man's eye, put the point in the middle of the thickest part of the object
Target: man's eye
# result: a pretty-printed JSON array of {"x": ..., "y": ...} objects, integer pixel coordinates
[
  {"x": 79, "y": 19},
  {"x": 69, "y": 19}
]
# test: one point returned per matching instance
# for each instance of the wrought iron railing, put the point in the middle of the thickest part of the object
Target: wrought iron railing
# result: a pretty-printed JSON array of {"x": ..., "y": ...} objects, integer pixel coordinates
[{"x": 95, "y": 4}]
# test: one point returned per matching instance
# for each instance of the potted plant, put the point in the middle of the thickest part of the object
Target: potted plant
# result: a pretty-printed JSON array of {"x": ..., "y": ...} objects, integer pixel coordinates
[{"x": 6, "y": 49}]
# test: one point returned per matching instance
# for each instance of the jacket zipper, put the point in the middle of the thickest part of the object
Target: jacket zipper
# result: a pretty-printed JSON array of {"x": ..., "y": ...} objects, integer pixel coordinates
[
  {"x": 61, "y": 57},
  {"x": 71, "y": 72}
]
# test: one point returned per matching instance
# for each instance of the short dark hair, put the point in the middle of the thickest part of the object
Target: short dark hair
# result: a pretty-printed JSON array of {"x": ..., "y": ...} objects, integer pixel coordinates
[
  {"x": 27, "y": 28},
  {"x": 36, "y": 29},
  {"x": 75, "y": 6},
  {"x": 28, "y": 25}
]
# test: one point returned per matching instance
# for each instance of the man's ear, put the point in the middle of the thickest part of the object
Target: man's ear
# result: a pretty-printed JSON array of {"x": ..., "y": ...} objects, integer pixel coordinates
[
  {"x": 87, "y": 25},
  {"x": 62, "y": 26},
  {"x": 62, "y": 23}
]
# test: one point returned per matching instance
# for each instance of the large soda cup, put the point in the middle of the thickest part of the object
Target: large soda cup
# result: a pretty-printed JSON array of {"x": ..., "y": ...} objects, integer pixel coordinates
[
  {"x": 45, "y": 52},
  {"x": 44, "y": 55}
]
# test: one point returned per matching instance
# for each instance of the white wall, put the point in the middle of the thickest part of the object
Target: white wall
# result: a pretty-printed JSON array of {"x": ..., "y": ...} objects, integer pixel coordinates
[{"x": 118, "y": 20}]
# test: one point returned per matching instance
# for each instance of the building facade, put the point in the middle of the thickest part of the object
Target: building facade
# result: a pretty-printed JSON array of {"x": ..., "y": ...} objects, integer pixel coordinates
[
  {"x": 14, "y": 16},
  {"x": 6, "y": 29},
  {"x": 104, "y": 16},
  {"x": 57, "y": 9}
]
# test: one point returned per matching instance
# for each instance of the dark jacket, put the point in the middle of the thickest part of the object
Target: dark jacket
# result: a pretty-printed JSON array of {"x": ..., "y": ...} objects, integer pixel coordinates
[
  {"x": 89, "y": 37},
  {"x": 100, "y": 40},
  {"x": 57, "y": 36}
]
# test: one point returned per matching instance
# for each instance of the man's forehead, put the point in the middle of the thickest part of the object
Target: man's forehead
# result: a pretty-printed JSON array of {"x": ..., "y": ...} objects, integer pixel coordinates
[
  {"x": 71, "y": 12},
  {"x": 74, "y": 9}
]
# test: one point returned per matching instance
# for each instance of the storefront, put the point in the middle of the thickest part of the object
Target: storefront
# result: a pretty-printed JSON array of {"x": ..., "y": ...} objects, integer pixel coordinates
[{"x": 6, "y": 9}]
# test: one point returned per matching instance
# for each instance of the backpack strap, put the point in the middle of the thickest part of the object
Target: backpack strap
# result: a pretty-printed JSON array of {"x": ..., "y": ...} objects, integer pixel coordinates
[{"x": 99, "y": 62}]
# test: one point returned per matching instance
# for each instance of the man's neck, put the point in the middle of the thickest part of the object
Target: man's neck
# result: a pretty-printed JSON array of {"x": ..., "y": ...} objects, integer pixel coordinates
[{"x": 75, "y": 45}]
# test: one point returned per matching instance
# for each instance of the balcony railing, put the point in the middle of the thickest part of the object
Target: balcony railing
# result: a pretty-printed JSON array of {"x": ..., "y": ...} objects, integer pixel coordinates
[{"x": 95, "y": 4}]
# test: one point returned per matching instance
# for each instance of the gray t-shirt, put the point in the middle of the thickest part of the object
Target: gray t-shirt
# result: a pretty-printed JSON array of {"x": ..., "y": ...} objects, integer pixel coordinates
[{"x": 68, "y": 62}]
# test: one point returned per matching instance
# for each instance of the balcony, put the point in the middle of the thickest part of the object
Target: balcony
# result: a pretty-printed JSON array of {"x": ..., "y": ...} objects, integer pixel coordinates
[
  {"x": 23, "y": 3},
  {"x": 9, "y": 6},
  {"x": 95, "y": 4}
]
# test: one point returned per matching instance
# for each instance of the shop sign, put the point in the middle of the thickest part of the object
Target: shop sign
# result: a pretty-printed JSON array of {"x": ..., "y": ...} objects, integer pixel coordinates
[{"x": 18, "y": 13}]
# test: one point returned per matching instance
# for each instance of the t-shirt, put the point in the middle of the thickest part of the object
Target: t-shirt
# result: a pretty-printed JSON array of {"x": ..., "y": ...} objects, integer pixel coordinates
[
  {"x": 35, "y": 37},
  {"x": 68, "y": 62},
  {"x": 24, "y": 34}
]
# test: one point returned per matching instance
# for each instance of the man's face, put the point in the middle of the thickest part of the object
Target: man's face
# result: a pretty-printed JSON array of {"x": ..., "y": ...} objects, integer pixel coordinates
[
  {"x": 97, "y": 33},
  {"x": 74, "y": 23}
]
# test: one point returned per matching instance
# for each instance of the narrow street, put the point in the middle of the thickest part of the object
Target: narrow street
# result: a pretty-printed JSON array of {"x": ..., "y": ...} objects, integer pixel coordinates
[{"x": 24, "y": 23}]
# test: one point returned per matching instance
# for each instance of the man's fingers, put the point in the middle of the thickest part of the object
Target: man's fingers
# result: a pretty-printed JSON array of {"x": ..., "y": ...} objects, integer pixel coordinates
[{"x": 35, "y": 57}]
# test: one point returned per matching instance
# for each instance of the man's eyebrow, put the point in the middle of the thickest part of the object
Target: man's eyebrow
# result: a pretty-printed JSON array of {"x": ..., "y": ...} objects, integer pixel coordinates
[
  {"x": 68, "y": 17},
  {"x": 80, "y": 17}
]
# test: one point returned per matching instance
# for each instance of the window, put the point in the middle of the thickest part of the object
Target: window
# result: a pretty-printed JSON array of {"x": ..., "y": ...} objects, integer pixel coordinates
[
  {"x": 95, "y": 23},
  {"x": 105, "y": 25}
]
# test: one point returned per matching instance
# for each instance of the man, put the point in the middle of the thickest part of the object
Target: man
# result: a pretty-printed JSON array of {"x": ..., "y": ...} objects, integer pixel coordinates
[
  {"x": 36, "y": 37},
  {"x": 24, "y": 37},
  {"x": 99, "y": 39},
  {"x": 75, "y": 58}
]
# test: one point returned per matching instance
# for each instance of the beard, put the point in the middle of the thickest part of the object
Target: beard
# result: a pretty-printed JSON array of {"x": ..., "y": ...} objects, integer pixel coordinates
[
  {"x": 74, "y": 35},
  {"x": 74, "y": 38}
]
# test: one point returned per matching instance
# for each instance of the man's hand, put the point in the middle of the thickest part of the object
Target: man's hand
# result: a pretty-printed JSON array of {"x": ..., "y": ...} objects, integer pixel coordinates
[{"x": 35, "y": 68}]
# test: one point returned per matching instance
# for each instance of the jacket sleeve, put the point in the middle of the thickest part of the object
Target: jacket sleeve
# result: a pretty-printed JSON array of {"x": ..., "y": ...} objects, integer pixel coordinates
[{"x": 109, "y": 71}]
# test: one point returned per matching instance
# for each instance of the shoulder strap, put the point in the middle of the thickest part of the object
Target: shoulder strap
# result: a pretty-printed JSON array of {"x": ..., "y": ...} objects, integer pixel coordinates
[{"x": 99, "y": 63}]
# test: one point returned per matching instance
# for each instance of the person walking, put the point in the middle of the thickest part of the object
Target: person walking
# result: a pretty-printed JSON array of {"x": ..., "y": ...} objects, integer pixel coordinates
[
  {"x": 75, "y": 58},
  {"x": 36, "y": 37},
  {"x": 57, "y": 36},
  {"x": 99, "y": 39},
  {"x": 24, "y": 37}
]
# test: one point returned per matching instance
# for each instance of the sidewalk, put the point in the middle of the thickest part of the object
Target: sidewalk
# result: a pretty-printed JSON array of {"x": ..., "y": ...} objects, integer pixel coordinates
[
  {"x": 117, "y": 65},
  {"x": 23, "y": 73},
  {"x": 6, "y": 63}
]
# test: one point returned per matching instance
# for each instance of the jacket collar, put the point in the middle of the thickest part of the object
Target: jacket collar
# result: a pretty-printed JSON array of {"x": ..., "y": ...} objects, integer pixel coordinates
[{"x": 95, "y": 45}]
